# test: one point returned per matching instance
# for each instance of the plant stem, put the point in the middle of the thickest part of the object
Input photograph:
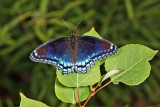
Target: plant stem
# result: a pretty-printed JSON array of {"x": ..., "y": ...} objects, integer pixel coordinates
[
  {"x": 95, "y": 88},
  {"x": 93, "y": 92},
  {"x": 87, "y": 100},
  {"x": 78, "y": 96},
  {"x": 73, "y": 105},
  {"x": 102, "y": 87}
]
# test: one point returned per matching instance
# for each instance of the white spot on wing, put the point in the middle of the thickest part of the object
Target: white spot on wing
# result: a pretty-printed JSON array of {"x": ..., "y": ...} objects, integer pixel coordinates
[
  {"x": 111, "y": 46},
  {"x": 35, "y": 52}
]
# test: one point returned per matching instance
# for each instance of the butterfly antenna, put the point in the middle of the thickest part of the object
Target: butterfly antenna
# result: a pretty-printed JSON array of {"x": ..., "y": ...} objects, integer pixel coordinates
[
  {"x": 79, "y": 22},
  {"x": 66, "y": 25}
]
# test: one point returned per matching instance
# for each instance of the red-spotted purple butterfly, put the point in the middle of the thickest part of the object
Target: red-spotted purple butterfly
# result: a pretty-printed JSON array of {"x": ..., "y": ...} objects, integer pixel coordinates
[{"x": 74, "y": 53}]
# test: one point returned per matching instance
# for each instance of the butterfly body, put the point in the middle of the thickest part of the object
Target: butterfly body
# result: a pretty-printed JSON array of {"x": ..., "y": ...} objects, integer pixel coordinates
[
  {"x": 72, "y": 44},
  {"x": 74, "y": 53}
]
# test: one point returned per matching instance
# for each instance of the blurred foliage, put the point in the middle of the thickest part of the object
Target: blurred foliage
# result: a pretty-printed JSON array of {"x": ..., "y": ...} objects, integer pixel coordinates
[{"x": 25, "y": 24}]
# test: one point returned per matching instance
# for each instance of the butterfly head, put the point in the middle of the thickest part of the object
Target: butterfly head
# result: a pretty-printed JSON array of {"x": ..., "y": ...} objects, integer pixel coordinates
[{"x": 72, "y": 34}]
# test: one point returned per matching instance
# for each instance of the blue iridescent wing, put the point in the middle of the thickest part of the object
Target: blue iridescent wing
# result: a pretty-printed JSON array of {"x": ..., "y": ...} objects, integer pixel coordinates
[
  {"x": 90, "y": 50},
  {"x": 54, "y": 52}
]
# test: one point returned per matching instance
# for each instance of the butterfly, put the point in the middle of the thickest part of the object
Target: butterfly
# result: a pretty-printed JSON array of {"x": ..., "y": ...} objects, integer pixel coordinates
[{"x": 74, "y": 53}]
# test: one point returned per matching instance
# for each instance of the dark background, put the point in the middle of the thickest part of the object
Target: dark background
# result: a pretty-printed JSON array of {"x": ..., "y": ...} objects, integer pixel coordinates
[{"x": 25, "y": 24}]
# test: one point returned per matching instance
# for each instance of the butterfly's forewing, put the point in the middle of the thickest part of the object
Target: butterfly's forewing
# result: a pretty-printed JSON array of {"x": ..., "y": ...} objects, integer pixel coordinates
[
  {"x": 90, "y": 50},
  {"x": 54, "y": 52}
]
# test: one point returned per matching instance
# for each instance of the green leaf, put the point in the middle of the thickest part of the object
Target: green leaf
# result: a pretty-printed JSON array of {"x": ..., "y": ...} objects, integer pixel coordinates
[
  {"x": 132, "y": 61},
  {"x": 69, "y": 95},
  {"x": 92, "y": 32},
  {"x": 26, "y": 102},
  {"x": 91, "y": 77}
]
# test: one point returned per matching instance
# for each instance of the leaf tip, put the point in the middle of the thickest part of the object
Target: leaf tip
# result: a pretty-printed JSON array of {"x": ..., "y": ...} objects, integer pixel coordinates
[{"x": 21, "y": 94}]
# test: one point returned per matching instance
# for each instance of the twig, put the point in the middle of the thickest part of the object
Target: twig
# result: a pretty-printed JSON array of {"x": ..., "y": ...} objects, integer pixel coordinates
[
  {"x": 78, "y": 96},
  {"x": 73, "y": 105},
  {"x": 93, "y": 89},
  {"x": 93, "y": 92},
  {"x": 102, "y": 87},
  {"x": 87, "y": 100}
]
